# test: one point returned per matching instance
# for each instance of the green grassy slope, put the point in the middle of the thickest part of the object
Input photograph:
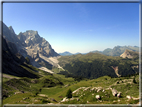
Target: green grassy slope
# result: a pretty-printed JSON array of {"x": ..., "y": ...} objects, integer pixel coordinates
[{"x": 53, "y": 89}]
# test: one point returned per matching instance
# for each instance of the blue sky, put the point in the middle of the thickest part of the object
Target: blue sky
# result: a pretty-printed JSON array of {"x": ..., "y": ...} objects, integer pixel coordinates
[{"x": 77, "y": 27}]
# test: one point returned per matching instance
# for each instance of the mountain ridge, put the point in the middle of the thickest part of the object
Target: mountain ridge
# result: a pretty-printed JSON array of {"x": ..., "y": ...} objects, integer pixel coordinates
[
  {"x": 30, "y": 44},
  {"x": 116, "y": 51}
]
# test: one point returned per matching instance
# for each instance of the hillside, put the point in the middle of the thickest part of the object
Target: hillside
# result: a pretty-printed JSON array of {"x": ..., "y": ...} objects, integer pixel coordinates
[
  {"x": 94, "y": 65},
  {"x": 52, "y": 89}
]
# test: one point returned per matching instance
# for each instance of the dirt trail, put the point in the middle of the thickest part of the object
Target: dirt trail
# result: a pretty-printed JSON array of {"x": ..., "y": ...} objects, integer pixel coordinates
[{"x": 8, "y": 76}]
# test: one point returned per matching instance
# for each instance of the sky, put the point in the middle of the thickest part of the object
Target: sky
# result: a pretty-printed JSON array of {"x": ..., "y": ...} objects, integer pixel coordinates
[{"x": 77, "y": 27}]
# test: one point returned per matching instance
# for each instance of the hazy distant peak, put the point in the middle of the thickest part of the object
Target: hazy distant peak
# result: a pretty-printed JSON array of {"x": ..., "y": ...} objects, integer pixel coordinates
[
  {"x": 108, "y": 49},
  {"x": 66, "y": 53},
  {"x": 117, "y": 46},
  {"x": 136, "y": 46}
]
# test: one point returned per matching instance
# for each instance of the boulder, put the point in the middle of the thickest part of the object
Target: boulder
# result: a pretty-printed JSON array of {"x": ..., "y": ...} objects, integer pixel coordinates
[
  {"x": 128, "y": 96},
  {"x": 98, "y": 97},
  {"x": 103, "y": 91},
  {"x": 86, "y": 89},
  {"x": 17, "y": 92},
  {"x": 93, "y": 89},
  {"x": 114, "y": 92},
  {"x": 98, "y": 90},
  {"x": 119, "y": 94},
  {"x": 65, "y": 99}
]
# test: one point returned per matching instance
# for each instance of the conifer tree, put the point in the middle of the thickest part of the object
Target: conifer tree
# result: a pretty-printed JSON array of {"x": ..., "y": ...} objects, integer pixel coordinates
[{"x": 69, "y": 93}]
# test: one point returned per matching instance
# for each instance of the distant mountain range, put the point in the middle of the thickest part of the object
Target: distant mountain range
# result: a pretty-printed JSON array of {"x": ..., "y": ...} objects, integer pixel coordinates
[
  {"x": 66, "y": 53},
  {"x": 116, "y": 51}
]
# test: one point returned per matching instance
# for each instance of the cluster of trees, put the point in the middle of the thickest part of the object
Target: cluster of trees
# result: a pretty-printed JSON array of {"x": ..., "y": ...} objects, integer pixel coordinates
[{"x": 96, "y": 65}]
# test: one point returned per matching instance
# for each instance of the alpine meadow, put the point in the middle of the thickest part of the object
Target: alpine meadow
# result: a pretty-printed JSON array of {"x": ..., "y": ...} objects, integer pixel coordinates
[{"x": 59, "y": 54}]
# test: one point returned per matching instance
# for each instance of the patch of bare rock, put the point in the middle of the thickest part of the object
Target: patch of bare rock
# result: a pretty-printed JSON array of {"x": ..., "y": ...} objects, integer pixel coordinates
[{"x": 95, "y": 91}]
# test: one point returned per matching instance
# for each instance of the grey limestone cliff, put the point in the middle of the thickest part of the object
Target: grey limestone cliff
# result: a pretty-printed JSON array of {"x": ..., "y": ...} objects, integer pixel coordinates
[{"x": 29, "y": 44}]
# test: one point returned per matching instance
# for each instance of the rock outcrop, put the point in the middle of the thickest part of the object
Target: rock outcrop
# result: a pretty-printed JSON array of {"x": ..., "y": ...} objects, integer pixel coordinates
[{"x": 129, "y": 54}]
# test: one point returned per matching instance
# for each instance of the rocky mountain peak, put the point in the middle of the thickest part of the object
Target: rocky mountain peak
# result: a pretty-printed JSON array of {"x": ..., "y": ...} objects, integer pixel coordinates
[
  {"x": 31, "y": 33},
  {"x": 29, "y": 38},
  {"x": 11, "y": 29},
  {"x": 9, "y": 34},
  {"x": 30, "y": 44}
]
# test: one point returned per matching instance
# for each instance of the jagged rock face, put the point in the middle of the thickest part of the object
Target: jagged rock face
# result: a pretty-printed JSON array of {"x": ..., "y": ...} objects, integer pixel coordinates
[
  {"x": 9, "y": 34},
  {"x": 35, "y": 44},
  {"x": 29, "y": 44},
  {"x": 29, "y": 38},
  {"x": 11, "y": 39},
  {"x": 11, "y": 29}
]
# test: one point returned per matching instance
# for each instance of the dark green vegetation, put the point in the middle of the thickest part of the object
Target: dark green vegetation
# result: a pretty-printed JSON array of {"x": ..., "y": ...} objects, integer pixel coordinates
[
  {"x": 94, "y": 65},
  {"x": 69, "y": 93}
]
